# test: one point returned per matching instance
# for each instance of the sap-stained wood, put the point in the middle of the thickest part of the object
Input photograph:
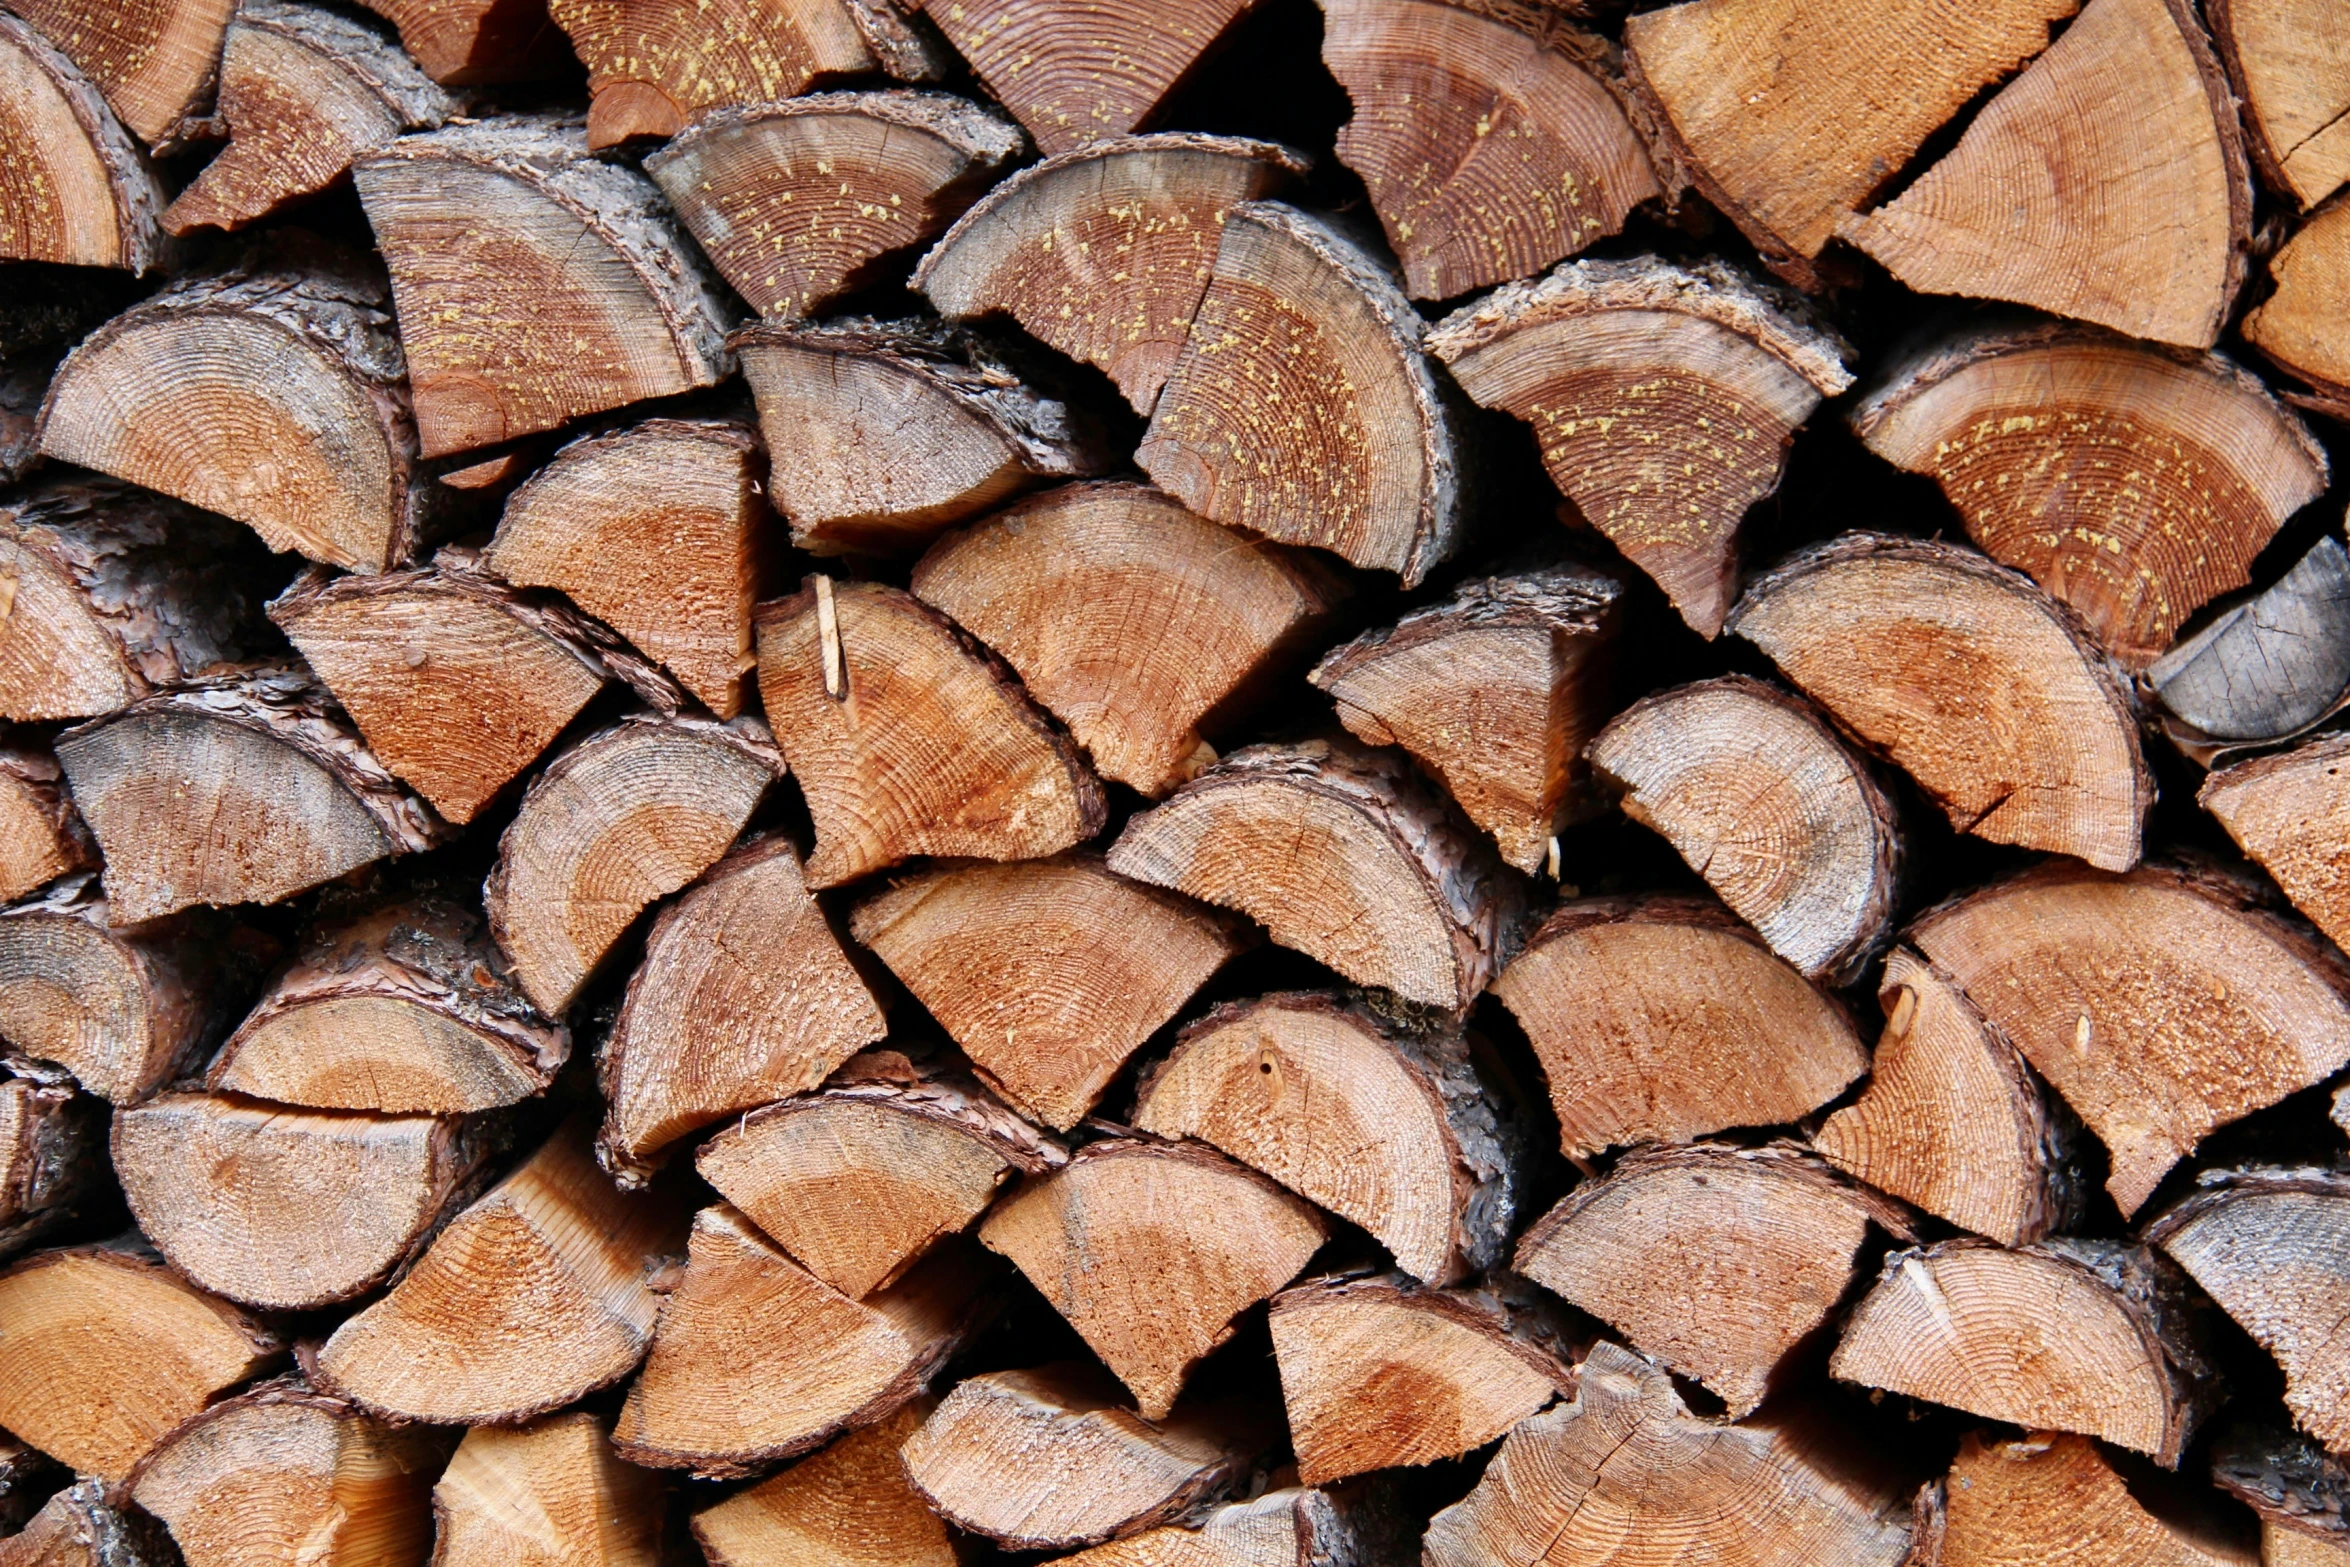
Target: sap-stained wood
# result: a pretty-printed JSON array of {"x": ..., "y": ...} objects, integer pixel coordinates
[
  {"x": 1374, "y": 1111},
  {"x": 50, "y": 1156},
  {"x": 2161, "y": 1004},
  {"x": 1104, "y": 251},
  {"x": 1663, "y": 398},
  {"x": 42, "y": 836},
  {"x": 2266, "y": 668},
  {"x": 80, "y": 1527},
  {"x": 2299, "y": 326},
  {"x": 2055, "y": 1498},
  {"x": 1971, "y": 680},
  {"x": 548, "y": 1494},
  {"x": 1662, "y": 1019},
  {"x": 77, "y": 190},
  {"x": 2286, "y": 810},
  {"x": 1048, "y": 973},
  {"x": 463, "y": 43},
  {"x": 850, "y": 1505},
  {"x": 795, "y": 201}
]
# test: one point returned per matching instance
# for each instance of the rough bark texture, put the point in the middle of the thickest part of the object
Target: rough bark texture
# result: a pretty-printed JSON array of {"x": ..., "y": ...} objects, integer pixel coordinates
[{"x": 81, "y": 192}]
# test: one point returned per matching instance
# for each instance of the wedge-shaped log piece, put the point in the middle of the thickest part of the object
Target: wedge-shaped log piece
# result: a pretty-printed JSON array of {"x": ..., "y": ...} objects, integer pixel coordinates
[
  {"x": 1046, "y": 1460},
  {"x": 532, "y": 1297},
  {"x": 2127, "y": 114},
  {"x": 550, "y": 1494},
  {"x": 1129, "y": 617},
  {"x": 1149, "y": 1296},
  {"x": 1048, "y": 973},
  {"x": 858, "y": 1181},
  {"x": 284, "y": 1474},
  {"x": 757, "y": 1359},
  {"x": 1495, "y": 691},
  {"x": 743, "y": 996},
  {"x": 305, "y": 92},
  {"x": 464, "y": 43},
  {"x": 1104, "y": 252},
  {"x": 79, "y": 1527},
  {"x": 115, "y": 592},
  {"x": 108, "y": 1350},
  {"x": 1377, "y": 1373},
  {"x": 795, "y": 201},
  {"x": 2299, "y": 327},
  {"x": 2159, "y": 1004},
  {"x": 1784, "y": 140},
  {"x": 2266, "y": 668},
  {"x": 1375, "y": 1112},
  {"x": 1662, "y": 1019},
  {"x": 2061, "y": 1335},
  {"x": 1971, "y": 680},
  {"x": 1625, "y": 1476},
  {"x": 2267, "y": 1245},
  {"x": 51, "y": 1157},
  {"x": 534, "y": 283},
  {"x": 908, "y": 739},
  {"x": 243, "y": 789},
  {"x": 1765, "y": 802},
  {"x": 1277, "y": 1529},
  {"x": 80, "y": 192},
  {"x": 2289, "y": 812},
  {"x": 1302, "y": 408},
  {"x": 1491, "y": 139},
  {"x": 1662, "y": 397},
  {"x": 2133, "y": 483},
  {"x": 2051, "y": 1497},
  {"x": 284, "y": 1210},
  {"x": 882, "y": 433},
  {"x": 2289, "y": 61},
  {"x": 404, "y": 1008},
  {"x": 1344, "y": 854},
  {"x": 269, "y": 395},
  {"x": 156, "y": 63},
  {"x": 655, "y": 530},
  {"x": 618, "y": 822},
  {"x": 1952, "y": 1118},
  {"x": 42, "y": 836},
  {"x": 850, "y": 1505},
  {"x": 1717, "y": 1260},
  {"x": 2296, "y": 1488}
]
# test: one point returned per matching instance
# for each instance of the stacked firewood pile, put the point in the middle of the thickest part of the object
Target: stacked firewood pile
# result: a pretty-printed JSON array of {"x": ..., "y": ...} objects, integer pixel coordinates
[{"x": 824, "y": 783}]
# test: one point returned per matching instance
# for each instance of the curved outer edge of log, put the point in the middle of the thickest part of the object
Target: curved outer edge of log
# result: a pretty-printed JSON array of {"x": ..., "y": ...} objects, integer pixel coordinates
[
  {"x": 2259, "y": 622},
  {"x": 2285, "y": 1478},
  {"x": 988, "y": 138},
  {"x": 138, "y": 190},
  {"x": 286, "y": 1390},
  {"x": 1519, "y": 1319}
]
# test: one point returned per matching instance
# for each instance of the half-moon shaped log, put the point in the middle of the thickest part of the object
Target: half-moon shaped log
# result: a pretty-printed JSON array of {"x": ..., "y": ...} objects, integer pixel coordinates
[
  {"x": 2290, "y": 811},
  {"x": 2290, "y": 64},
  {"x": 1662, "y": 397},
  {"x": 2299, "y": 327},
  {"x": 2133, "y": 483},
  {"x": 468, "y": 43},
  {"x": 2056, "y": 1498},
  {"x": 1971, "y": 680},
  {"x": 850, "y": 1505},
  {"x": 2265, "y": 668},
  {"x": 78, "y": 191},
  {"x": 155, "y": 62}
]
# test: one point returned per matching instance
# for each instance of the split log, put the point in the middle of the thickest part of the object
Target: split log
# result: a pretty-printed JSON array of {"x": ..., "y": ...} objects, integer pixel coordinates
[
  {"x": 2055, "y": 1498},
  {"x": 1971, "y": 680},
  {"x": 2267, "y": 668},
  {"x": 2297, "y": 1489},
  {"x": 1050, "y": 973},
  {"x": 552, "y": 1494},
  {"x": 743, "y": 996},
  {"x": 1491, "y": 138},
  {"x": 2061, "y": 1335},
  {"x": 656, "y": 531},
  {"x": 157, "y": 64},
  {"x": 1374, "y": 1111},
  {"x": 2133, "y": 483},
  {"x": 1718, "y": 1261},
  {"x": 51, "y": 1152},
  {"x": 407, "y": 1008},
  {"x": 850, "y": 1505},
  {"x": 114, "y": 592},
  {"x": 286, "y": 1211},
  {"x": 534, "y": 283},
  {"x": 2288, "y": 62},
  {"x": 2299, "y": 326},
  {"x": 859, "y": 1181},
  {"x": 1377, "y": 1373},
  {"x": 1153, "y": 1298},
  {"x": 1130, "y": 618},
  {"x": 42, "y": 836},
  {"x": 2160, "y": 1004},
  {"x": 1495, "y": 691},
  {"x": 1344, "y": 854},
  {"x": 466, "y": 43},
  {"x": 243, "y": 789},
  {"x": 1278, "y": 1529},
  {"x": 284, "y": 1474},
  {"x": 2075, "y": 241},
  {"x": 109, "y": 1350},
  {"x": 1953, "y": 1120},
  {"x": 2286, "y": 811},
  {"x": 1662, "y": 1019},
  {"x": 536, "y": 1295},
  {"x": 908, "y": 739},
  {"x": 1303, "y": 409},
  {"x": 756, "y": 1359},
  {"x": 795, "y": 202},
  {"x": 79, "y": 1527},
  {"x": 1624, "y": 1475},
  {"x": 1104, "y": 251},
  {"x": 621, "y": 820},
  {"x": 1663, "y": 399},
  {"x": 882, "y": 433},
  {"x": 1786, "y": 824},
  {"x": 304, "y": 93},
  {"x": 1045, "y": 1460},
  {"x": 84, "y": 194},
  {"x": 1778, "y": 138}
]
